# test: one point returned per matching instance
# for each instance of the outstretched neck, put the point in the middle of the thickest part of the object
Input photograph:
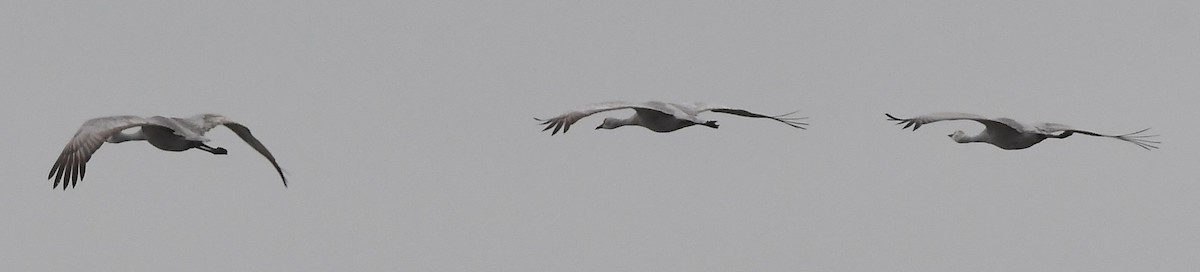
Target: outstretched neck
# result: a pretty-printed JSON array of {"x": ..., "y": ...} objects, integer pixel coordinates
[
  {"x": 632, "y": 120},
  {"x": 136, "y": 135},
  {"x": 612, "y": 123},
  {"x": 980, "y": 138}
]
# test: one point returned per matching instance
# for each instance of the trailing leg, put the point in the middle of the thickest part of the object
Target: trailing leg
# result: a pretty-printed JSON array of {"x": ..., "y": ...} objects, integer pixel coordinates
[{"x": 213, "y": 150}]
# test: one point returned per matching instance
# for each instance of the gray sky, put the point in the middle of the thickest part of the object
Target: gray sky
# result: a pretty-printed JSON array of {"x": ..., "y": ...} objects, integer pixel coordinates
[{"x": 406, "y": 131}]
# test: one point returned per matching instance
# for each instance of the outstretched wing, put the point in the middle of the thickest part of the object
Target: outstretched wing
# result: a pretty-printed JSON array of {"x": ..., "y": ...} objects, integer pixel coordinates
[
  {"x": 1134, "y": 137},
  {"x": 201, "y": 123},
  {"x": 999, "y": 125},
  {"x": 72, "y": 163},
  {"x": 565, "y": 120},
  {"x": 782, "y": 118},
  {"x": 244, "y": 133}
]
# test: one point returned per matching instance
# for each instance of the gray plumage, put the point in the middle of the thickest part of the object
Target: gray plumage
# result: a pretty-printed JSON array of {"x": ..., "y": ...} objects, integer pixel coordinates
[
  {"x": 165, "y": 133},
  {"x": 1009, "y": 134},
  {"x": 657, "y": 116}
]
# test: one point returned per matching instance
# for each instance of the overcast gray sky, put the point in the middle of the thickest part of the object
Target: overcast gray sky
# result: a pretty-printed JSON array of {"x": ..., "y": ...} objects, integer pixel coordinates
[{"x": 406, "y": 130}]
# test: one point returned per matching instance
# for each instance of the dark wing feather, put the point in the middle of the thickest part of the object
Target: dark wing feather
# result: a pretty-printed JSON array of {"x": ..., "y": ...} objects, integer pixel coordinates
[
  {"x": 1133, "y": 137},
  {"x": 244, "y": 133},
  {"x": 782, "y": 118},
  {"x": 697, "y": 108}
]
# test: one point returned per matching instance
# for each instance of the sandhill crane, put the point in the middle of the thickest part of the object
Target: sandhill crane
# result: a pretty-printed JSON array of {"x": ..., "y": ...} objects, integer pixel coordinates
[
  {"x": 166, "y": 133},
  {"x": 1009, "y": 134},
  {"x": 657, "y": 116}
]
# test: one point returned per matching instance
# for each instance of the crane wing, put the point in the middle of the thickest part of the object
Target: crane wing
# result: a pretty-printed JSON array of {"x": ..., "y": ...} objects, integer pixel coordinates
[{"x": 72, "y": 162}]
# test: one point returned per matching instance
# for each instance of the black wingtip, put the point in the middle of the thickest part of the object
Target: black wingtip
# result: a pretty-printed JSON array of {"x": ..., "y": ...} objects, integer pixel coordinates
[
  {"x": 906, "y": 122},
  {"x": 786, "y": 114},
  {"x": 1140, "y": 131}
]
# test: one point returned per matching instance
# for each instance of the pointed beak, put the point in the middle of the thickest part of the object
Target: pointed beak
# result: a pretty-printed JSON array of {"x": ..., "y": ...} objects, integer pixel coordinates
[
  {"x": 600, "y": 126},
  {"x": 951, "y": 135}
]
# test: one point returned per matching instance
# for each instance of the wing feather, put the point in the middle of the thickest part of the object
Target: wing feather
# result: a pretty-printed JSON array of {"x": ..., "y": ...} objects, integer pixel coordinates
[
  {"x": 782, "y": 118},
  {"x": 999, "y": 125},
  {"x": 244, "y": 133},
  {"x": 1136, "y": 137},
  {"x": 71, "y": 164}
]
